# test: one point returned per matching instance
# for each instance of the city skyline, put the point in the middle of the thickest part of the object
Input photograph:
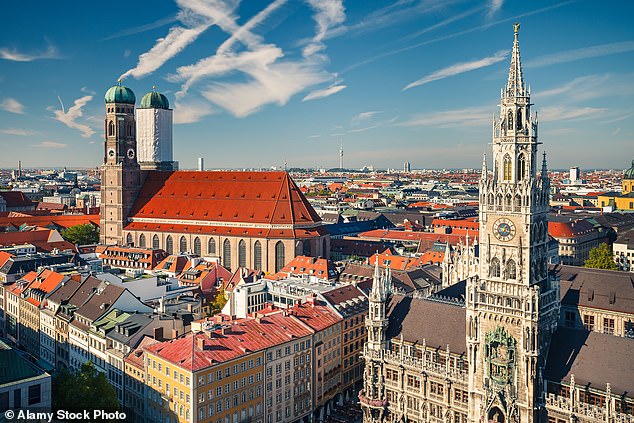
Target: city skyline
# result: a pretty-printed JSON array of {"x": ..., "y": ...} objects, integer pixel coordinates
[{"x": 288, "y": 81}]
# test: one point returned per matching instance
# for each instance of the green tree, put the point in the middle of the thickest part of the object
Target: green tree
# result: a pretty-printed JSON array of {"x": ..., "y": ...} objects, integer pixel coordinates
[
  {"x": 219, "y": 302},
  {"x": 81, "y": 234},
  {"x": 87, "y": 389},
  {"x": 601, "y": 258}
]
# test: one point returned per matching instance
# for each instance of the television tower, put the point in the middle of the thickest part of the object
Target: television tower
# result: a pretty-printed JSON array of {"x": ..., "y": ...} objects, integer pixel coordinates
[{"x": 341, "y": 155}]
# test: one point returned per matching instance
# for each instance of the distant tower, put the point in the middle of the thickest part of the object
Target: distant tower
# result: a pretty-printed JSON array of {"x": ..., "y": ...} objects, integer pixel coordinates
[
  {"x": 201, "y": 164},
  {"x": 120, "y": 172},
  {"x": 154, "y": 132},
  {"x": 19, "y": 168},
  {"x": 341, "y": 156},
  {"x": 575, "y": 175},
  {"x": 407, "y": 167}
]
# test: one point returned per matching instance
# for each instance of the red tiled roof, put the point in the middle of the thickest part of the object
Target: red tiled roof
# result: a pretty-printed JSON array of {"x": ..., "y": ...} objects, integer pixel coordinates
[
  {"x": 315, "y": 314},
  {"x": 174, "y": 263},
  {"x": 39, "y": 237},
  {"x": 254, "y": 197},
  {"x": 15, "y": 199},
  {"x": 242, "y": 336},
  {"x": 304, "y": 265},
  {"x": 384, "y": 234},
  {"x": 4, "y": 257},
  {"x": 64, "y": 221},
  {"x": 570, "y": 229}
]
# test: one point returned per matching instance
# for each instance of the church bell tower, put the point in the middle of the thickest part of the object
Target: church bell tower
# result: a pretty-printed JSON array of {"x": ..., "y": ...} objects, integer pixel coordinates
[
  {"x": 120, "y": 172},
  {"x": 513, "y": 302}
]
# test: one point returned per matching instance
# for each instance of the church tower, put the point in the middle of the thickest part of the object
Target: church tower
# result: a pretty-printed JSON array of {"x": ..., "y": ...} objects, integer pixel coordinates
[
  {"x": 372, "y": 397},
  {"x": 120, "y": 172},
  {"x": 154, "y": 122},
  {"x": 513, "y": 302}
]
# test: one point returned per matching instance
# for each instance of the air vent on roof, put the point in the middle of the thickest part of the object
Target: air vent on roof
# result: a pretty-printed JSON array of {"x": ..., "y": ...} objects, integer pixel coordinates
[
  {"x": 590, "y": 294},
  {"x": 612, "y": 297}
]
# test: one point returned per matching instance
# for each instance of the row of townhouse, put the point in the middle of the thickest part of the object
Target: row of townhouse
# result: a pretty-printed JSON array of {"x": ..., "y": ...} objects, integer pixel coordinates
[
  {"x": 273, "y": 366},
  {"x": 68, "y": 320}
]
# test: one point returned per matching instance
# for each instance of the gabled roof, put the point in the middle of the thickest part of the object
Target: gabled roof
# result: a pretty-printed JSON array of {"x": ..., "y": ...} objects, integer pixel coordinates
[
  {"x": 100, "y": 302},
  {"x": 439, "y": 324},
  {"x": 305, "y": 265},
  {"x": 253, "y": 197},
  {"x": 174, "y": 263},
  {"x": 572, "y": 229},
  {"x": 595, "y": 359},
  {"x": 53, "y": 221},
  {"x": 15, "y": 199}
]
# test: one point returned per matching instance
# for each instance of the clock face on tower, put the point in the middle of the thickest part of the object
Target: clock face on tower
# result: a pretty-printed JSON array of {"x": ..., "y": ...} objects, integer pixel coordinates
[
  {"x": 504, "y": 229},
  {"x": 130, "y": 154}
]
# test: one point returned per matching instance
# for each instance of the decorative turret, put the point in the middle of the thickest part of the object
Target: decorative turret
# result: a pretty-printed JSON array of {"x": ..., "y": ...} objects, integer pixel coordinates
[{"x": 515, "y": 86}]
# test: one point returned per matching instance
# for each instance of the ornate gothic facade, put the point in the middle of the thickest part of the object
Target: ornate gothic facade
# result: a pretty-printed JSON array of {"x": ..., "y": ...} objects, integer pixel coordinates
[{"x": 488, "y": 348}]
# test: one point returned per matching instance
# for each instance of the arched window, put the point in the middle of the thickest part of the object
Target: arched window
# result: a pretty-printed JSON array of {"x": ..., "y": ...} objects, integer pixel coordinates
[
  {"x": 242, "y": 253},
  {"x": 129, "y": 130},
  {"x": 183, "y": 245},
  {"x": 508, "y": 201},
  {"x": 128, "y": 239},
  {"x": 511, "y": 270},
  {"x": 257, "y": 255},
  {"x": 226, "y": 254},
  {"x": 142, "y": 240},
  {"x": 507, "y": 167},
  {"x": 518, "y": 202},
  {"x": 519, "y": 119},
  {"x": 491, "y": 200},
  {"x": 279, "y": 256},
  {"x": 211, "y": 246},
  {"x": 155, "y": 242},
  {"x": 169, "y": 245},
  {"x": 306, "y": 248},
  {"x": 510, "y": 120},
  {"x": 110, "y": 128},
  {"x": 521, "y": 167},
  {"x": 197, "y": 247},
  {"x": 495, "y": 267},
  {"x": 498, "y": 202}
]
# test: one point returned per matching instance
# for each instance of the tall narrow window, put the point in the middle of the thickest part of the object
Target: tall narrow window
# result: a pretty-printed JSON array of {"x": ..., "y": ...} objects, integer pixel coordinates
[
  {"x": 211, "y": 247},
  {"x": 521, "y": 167},
  {"x": 510, "y": 120},
  {"x": 518, "y": 121},
  {"x": 110, "y": 128},
  {"x": 242, "y": 253},
  {"x": 507, "y": 167},
  {"x": 511, "y": 270},
  {"x": 306, "y": 248},
  {"x": 197, "y": 247},
  {"x": 495, "y": 267},
  {"x": 257, "y": 255},
  {"x": 279, "y": 256},
  {"x": 142, "y": 241},
  {"x": 226, "y": 254},
  {"x": 128, "y": 239},
  {"x": 155, "y": 242},
  {"x": 183, "y": 245},
  {"x": 169, "y": 245}
]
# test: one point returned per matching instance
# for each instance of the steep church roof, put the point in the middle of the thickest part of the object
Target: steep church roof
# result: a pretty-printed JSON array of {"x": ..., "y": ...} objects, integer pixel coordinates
[{"x": 213, "y": 202}]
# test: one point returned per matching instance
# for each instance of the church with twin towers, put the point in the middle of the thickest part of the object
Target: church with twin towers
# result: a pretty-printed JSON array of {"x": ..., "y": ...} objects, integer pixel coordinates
[{"x": 491, "y": 348}]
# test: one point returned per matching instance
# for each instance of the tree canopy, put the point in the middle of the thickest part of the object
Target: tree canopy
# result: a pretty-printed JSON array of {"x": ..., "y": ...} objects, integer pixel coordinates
[
  {"x": 87, "y": 389},
  {"x": 219, "y": 302},
  {"x": 601, "y": 258},
  {"x": 81, "y": 234}
]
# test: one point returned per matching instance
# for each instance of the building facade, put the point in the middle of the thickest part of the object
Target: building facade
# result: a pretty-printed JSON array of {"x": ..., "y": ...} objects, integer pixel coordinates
[{"x": 489, "y": 349}]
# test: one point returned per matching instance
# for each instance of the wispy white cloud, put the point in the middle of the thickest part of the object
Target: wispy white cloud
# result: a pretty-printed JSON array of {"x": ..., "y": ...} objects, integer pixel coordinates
[
  {"x": 364, "y": 116},
  {"x": 50, "y": 144},
  {"x": 562, "y": 113},
  {"x": 87, "y": 91},
  {"x": 12, "y": 105},
  {"x": 18, "y": 132},
  {"x": 191, "y": 111},
  {"x": 617, "y": 119},
  {"x": 581, "y": 53},
  {"x": 592, "y": 86},
  {"x": 377, "y": 124},
  {"x": 17, "y": 56},
  {"x": 326, "y": 92},
  {"x": 176, "y": 40},
  {"x": 143, "y": 28},
  {"x": 459, "y": 68},
  {"x": 494, "y": 7},
  {"x": 74, "y": 112},
  {"x": 328, "y": 14},
  {"x": 475, "y": 116}
]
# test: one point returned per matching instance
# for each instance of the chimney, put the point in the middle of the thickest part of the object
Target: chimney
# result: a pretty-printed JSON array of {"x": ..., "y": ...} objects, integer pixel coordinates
[
  {"x": 200, "y": 342},
  {"x": 158, "y": 334},
  {"x": 225, "y": 330},
  {"x": 174, "y": 334}
]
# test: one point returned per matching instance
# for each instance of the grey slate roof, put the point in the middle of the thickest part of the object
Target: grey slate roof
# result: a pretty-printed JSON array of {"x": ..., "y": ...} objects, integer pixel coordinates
[{"x": 594, "y": 358}]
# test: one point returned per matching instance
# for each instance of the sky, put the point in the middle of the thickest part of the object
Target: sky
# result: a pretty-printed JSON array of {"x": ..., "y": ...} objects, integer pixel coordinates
[{"x": 256, "y": 84}]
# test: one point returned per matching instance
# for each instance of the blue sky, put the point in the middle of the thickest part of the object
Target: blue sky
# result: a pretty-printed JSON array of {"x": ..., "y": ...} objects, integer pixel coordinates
[{"x": 257, "y": 83}]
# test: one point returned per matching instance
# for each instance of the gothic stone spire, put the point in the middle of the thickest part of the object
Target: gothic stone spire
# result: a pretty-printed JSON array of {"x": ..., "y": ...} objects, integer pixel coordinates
[{"x": 515, "y": 86}]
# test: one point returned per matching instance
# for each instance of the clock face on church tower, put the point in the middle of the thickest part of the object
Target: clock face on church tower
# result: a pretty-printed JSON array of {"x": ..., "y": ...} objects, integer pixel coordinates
[{"x": 504, "y": 229}]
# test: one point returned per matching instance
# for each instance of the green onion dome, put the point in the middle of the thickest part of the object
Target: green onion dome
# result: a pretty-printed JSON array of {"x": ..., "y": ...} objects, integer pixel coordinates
[
  {"x": 154, "y": 100},
  {"x": 629, "y": 174},
  {"x": 120, "y": 94}
]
